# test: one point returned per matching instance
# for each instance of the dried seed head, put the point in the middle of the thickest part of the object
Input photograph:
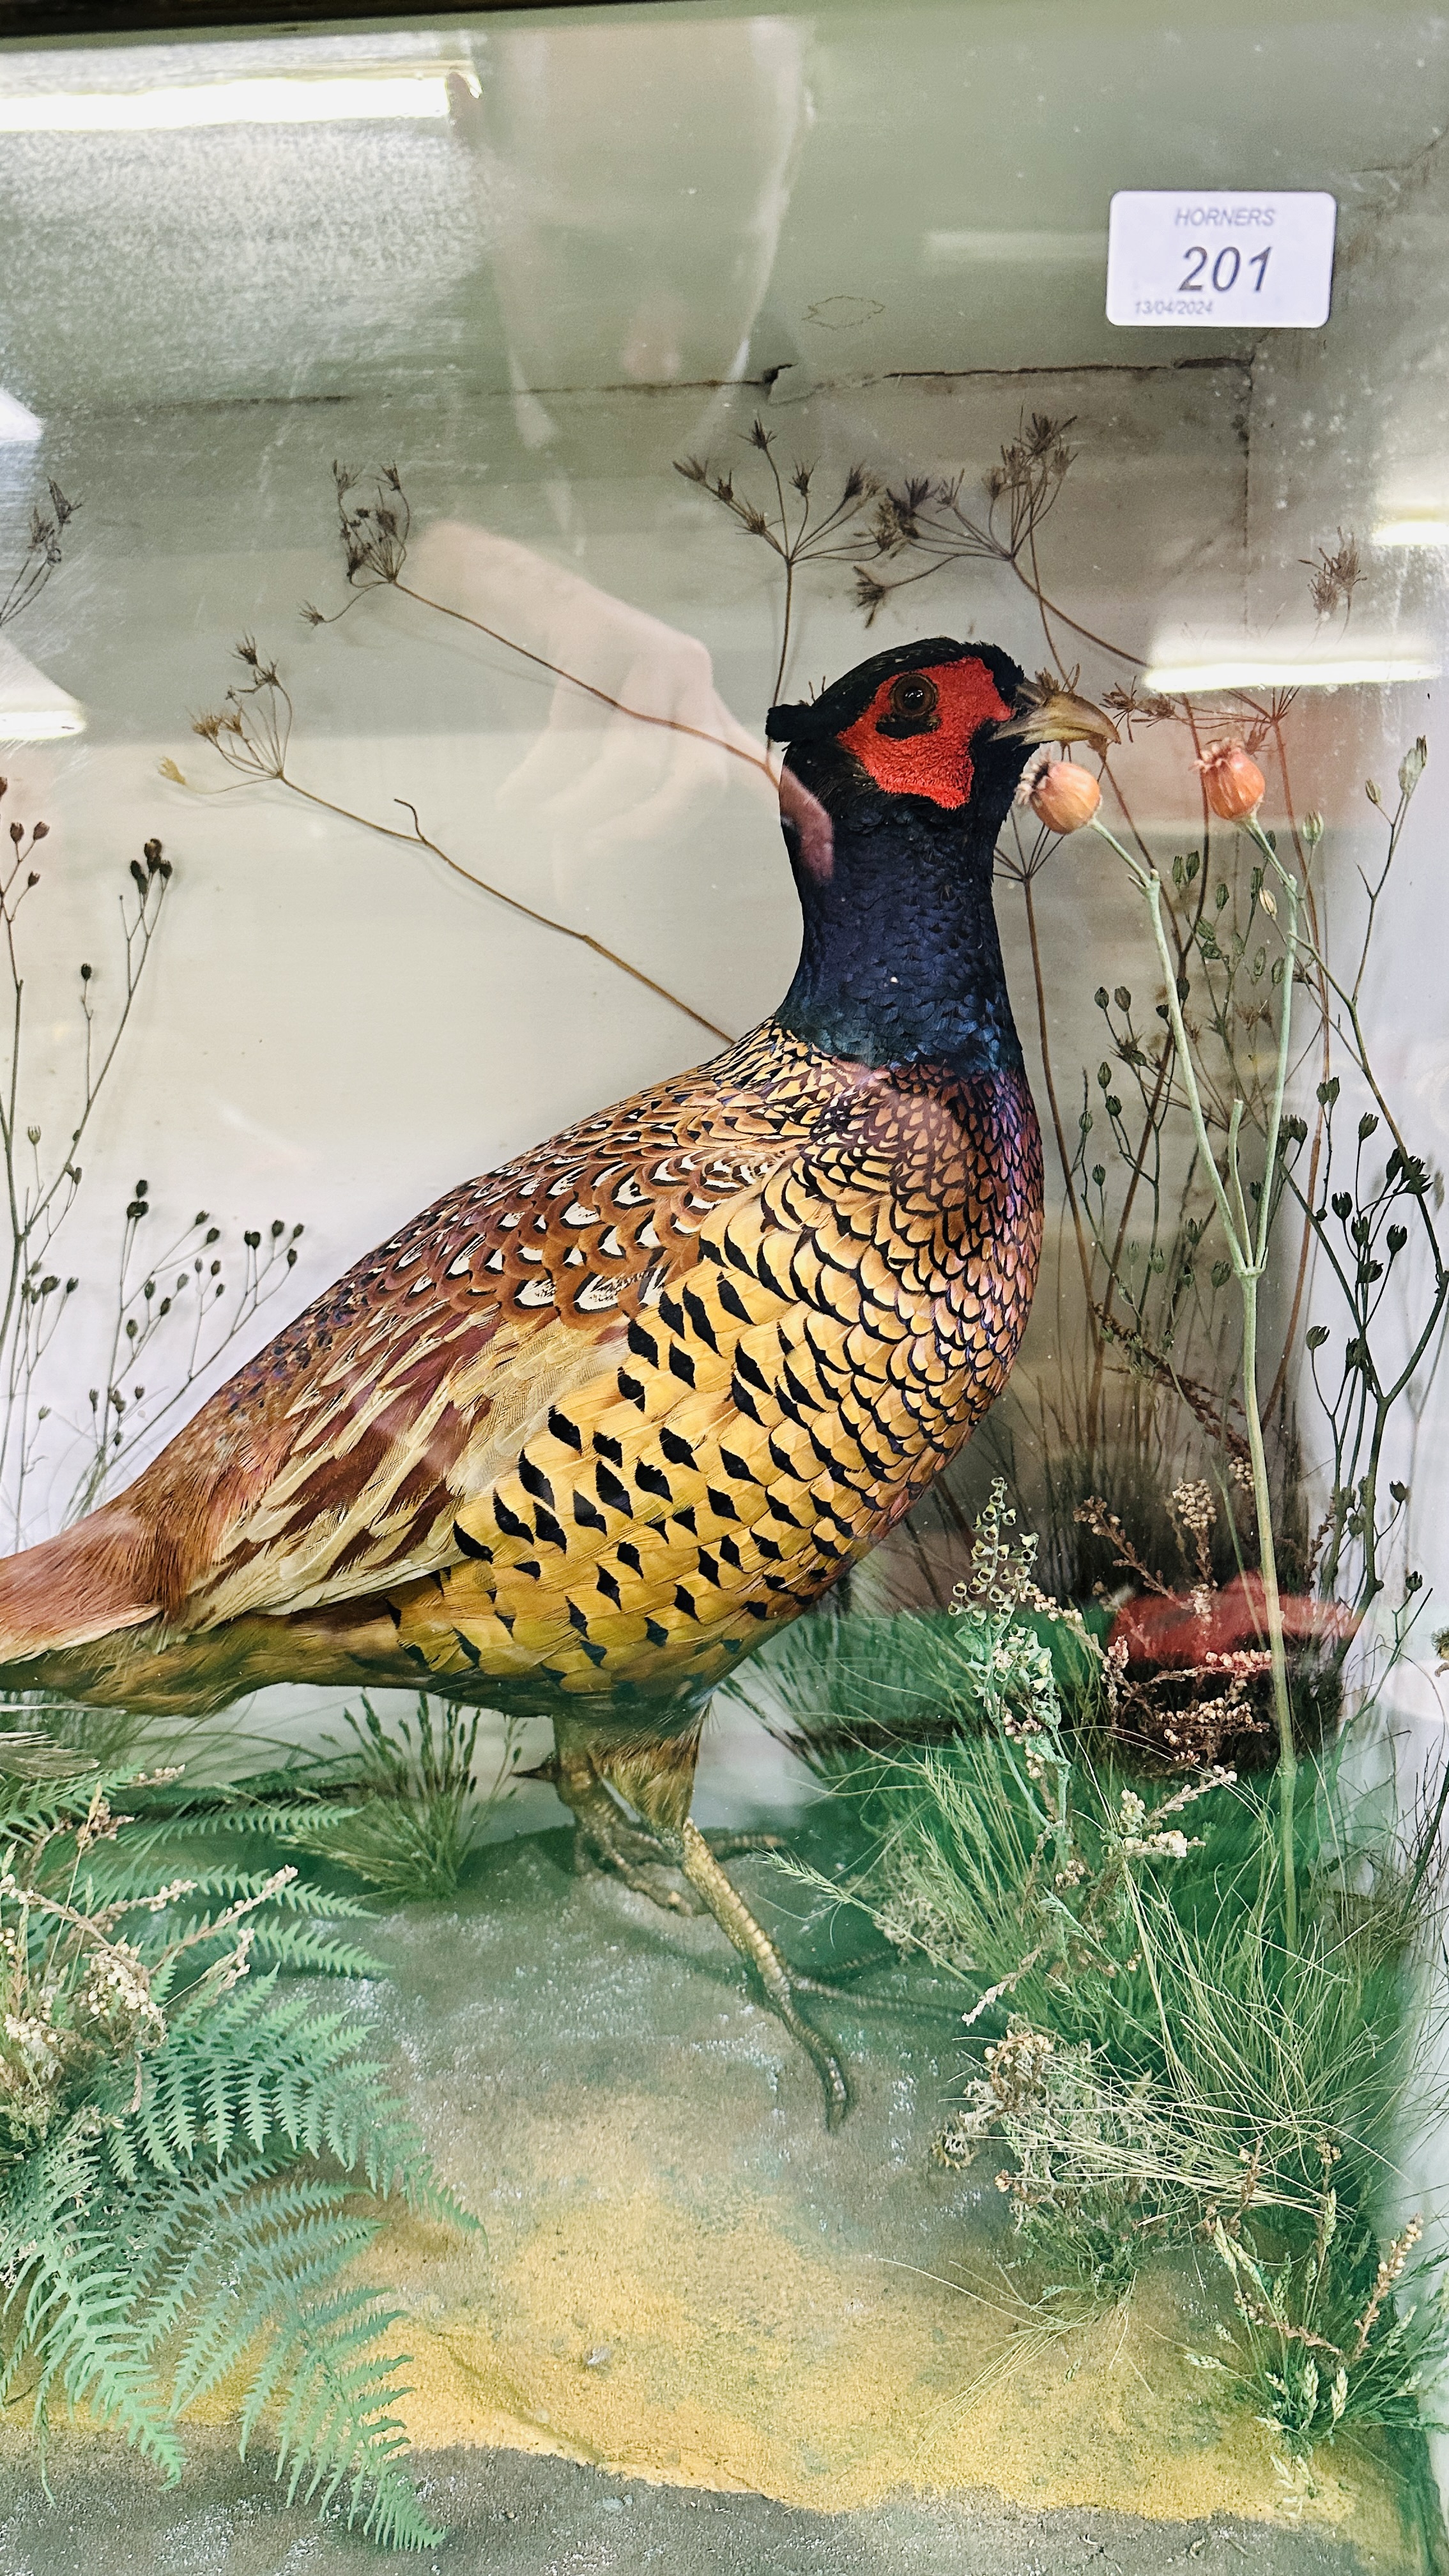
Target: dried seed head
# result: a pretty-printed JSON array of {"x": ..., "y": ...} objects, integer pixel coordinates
[
  {"x": 1233, "y": 783},
  {"x": 1065, "y": 796}
]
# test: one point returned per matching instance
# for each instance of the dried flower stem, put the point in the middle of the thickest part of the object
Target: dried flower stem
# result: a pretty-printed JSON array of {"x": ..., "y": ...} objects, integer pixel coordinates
[
  {"x": 252, "y": 733},
  {"x": 1305, "y": 1247},
  {"x": 375, "y": 548},
  {"x": 1359, "y": 1413},
  {"x": 1103, "y": 1523},
  {"x": 810, "y": 540},
  {"x": 1022, "y": 867},
  {"x": 140, "y": 1315},
  {"x": 42, "y": 554},
  {"x": 1084, "y": 1258},
  {"x": 1247, "y": 1243},
  {"x": 604, "y": 697},
  {"x": 565, "y": 930},
  {"x": 35, "y": 1204}
]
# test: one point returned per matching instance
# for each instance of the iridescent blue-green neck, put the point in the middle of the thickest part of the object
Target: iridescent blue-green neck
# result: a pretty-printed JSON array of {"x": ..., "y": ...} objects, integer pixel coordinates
[{"x": 900, "y": 960}]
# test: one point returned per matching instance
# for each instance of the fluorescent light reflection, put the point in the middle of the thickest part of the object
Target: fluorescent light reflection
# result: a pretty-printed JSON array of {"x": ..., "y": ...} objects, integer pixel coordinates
[
  {"x": 299, "y": 100},
  {"x": 32, "y": 707},
  {"x": 18, "y": 425},
  {"x": 1182, "y": 678},
  {"x": 1412, "y": 532},
  {"x": 40, "y": 724}
]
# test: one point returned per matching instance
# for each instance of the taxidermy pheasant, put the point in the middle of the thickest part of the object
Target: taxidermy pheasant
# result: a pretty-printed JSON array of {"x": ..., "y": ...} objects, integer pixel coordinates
[{"x": 592, "y": 1426}]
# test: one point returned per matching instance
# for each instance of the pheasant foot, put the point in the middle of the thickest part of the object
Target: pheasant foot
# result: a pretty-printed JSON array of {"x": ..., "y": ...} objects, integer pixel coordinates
[
  {"x": 609, "y": 1843},
  {"x": 781, "y": 1983},
  {"x": 847, "y": 1994}
]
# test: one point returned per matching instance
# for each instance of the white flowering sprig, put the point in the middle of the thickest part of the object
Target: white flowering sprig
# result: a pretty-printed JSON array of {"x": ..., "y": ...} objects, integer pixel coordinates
[
  {"x": 1193, "y": 1508},
  {"x": 995, "y": 1994},
  {"x": 1140, "y": 1833},
  {"x": 1136, "y": 1842},
  {"x": 1000, "y": 1581},
  {"x": 1021, "y": 1695},
  {"x": 1015, "y": 2080},
  {"x": 77, "y": 1991},
  {"x": 99, "y": 1824}
]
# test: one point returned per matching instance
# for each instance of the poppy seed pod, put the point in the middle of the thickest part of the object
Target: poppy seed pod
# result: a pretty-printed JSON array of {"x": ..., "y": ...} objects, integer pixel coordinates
[
  {"x": 1233, "y": 783},
  {"x": 1065, "y": 796}
]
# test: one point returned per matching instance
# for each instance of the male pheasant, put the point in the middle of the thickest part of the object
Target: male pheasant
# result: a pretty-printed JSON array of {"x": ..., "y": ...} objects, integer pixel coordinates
[{"x": 594, "y": 1425}]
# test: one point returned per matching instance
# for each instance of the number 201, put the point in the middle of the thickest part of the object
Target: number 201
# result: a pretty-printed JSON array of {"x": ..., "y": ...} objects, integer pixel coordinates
[{"x": 1226, "y": 269}]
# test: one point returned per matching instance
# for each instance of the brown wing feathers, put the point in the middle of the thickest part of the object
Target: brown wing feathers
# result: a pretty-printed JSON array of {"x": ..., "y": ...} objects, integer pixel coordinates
[{"x": 341, "y": 1451}]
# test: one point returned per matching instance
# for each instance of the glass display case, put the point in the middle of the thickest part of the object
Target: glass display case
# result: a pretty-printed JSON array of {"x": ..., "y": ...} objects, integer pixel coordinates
[{"x": 723, "y": 1097}]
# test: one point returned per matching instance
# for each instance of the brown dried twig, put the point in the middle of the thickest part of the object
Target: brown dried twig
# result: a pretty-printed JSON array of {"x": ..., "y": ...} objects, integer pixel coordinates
[
  {"x": 808, "y": 540},
  {"x": 42, "y": 553},
  {"x": 251, "y": 731},
  {"x": 375, "y": 537}
]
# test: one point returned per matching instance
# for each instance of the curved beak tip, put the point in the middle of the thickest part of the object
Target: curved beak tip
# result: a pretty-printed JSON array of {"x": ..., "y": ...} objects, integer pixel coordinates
[{"x": 1061, "y": 716}]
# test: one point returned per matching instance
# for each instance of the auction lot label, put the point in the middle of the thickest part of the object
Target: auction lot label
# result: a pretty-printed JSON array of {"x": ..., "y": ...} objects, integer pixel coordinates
[{"x": 1220, "y": 258}]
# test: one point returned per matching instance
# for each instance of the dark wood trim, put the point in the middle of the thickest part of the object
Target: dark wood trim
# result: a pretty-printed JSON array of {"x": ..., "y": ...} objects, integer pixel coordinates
[{"x": 42, "y": 18}]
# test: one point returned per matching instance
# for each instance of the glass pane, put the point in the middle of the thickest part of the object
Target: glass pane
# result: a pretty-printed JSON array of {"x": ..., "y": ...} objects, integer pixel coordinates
[{"x": 940, "y": 1488}]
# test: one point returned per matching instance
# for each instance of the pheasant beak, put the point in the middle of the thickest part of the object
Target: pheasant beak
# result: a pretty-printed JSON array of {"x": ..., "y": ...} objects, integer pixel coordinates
[{"x": 1058, "y": 715}]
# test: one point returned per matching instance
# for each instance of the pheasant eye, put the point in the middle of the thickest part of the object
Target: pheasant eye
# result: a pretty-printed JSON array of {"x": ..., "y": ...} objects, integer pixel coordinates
[{"x": 911, "y": 706}]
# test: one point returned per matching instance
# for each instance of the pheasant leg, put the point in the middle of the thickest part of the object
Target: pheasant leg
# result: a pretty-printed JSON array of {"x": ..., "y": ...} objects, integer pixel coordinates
[
  {"x": 593, "y": 1772},
  {"x": 781, "y": 1983}
]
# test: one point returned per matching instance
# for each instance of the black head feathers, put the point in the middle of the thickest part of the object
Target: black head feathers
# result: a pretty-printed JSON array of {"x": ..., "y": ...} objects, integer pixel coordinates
[{"x": 821, "y": 719}]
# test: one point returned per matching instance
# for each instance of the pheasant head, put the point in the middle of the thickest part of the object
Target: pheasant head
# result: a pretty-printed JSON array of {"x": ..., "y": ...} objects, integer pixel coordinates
[{"x": 895, "y": 785}]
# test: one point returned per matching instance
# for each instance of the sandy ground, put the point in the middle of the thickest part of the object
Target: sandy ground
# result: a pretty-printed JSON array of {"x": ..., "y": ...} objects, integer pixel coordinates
[{"x": 703, "y": 2333}]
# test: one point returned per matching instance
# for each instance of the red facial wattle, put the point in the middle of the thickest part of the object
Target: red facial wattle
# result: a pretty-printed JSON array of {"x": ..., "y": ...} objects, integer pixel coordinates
[{"x": 936, "y": 761}]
